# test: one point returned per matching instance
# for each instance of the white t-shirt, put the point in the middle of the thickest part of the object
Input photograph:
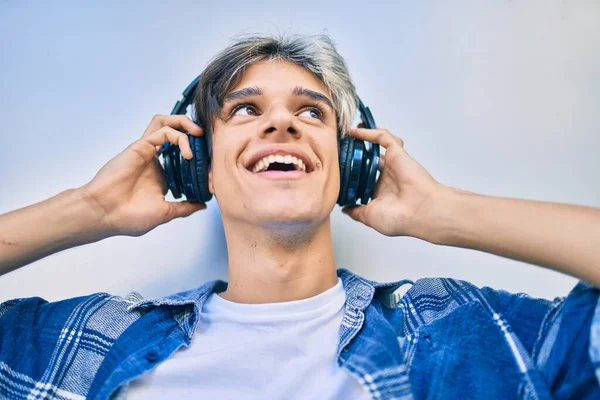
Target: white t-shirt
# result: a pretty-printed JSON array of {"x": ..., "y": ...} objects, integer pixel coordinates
[{"x": 258, "y": 351}]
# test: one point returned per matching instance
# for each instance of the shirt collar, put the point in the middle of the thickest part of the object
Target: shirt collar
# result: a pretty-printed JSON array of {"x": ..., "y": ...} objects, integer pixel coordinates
[{"x": 359, "y": 294}]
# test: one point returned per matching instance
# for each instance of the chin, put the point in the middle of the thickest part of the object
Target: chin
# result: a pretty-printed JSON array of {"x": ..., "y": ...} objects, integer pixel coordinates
[{"x": 285, "y": 209}]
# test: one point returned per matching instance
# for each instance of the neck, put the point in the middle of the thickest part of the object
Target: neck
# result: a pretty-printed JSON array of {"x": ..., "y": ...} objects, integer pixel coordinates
[{"x": 268, "y": 267}]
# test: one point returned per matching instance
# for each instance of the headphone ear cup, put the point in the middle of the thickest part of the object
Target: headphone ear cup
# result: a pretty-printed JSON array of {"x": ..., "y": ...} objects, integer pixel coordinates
[
  {"x": 351, "y": 160},
  {"x": 355, "y": 166},
  {"x": 371, "y": 169},
  {"x": 187, "y": 185},
  {"x": 172, "y": 165},
  {"x": 199, "y": 166},
  {"x": 365, "y": 163},
  {"x": 345, "y": 154}
]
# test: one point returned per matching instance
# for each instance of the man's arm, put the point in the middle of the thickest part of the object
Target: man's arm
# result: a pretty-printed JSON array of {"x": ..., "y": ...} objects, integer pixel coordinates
[
  {"x": 126, "y": 197},
  {"x": 58, "y": 223},
  {"x": 408, "y": 201},
  {"x": 563, "y": 237}
]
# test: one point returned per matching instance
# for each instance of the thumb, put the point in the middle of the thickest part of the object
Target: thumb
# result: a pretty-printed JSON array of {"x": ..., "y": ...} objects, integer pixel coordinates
[
  {"x": 355, "y": 212},
  {"x": 181, "y": 209}
]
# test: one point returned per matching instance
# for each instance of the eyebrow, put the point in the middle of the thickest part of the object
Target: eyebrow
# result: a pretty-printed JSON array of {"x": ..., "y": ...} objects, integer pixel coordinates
[
  {"x": 245, "y": 92},
  {"x": 300, "y": 91},
  {"x": 297, "y": 91}
]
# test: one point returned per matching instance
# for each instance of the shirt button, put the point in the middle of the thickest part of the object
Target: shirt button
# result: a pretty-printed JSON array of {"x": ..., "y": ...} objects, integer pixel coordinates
[{"x": 152, "y": 355}]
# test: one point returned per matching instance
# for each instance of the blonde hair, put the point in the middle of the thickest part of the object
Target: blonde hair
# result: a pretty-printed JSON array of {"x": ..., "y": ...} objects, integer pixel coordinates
[{"x": 316, "y": 53}]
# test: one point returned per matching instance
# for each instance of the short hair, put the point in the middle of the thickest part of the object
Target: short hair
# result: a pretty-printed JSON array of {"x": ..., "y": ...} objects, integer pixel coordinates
[{"x": 316, "y": 53}]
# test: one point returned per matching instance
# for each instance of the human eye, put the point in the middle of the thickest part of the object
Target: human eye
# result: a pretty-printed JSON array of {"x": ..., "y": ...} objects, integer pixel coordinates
[
  {"x": 313, "y": 112},
  {"x": 244, "y": 109}
]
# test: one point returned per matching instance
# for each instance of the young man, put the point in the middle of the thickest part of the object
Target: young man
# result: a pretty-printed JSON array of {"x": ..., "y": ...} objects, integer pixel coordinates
[{"x": 288, "y": 324}]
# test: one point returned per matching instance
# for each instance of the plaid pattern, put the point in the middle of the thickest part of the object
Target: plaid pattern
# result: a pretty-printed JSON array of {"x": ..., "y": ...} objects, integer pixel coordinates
[{"x": 421, "y": 345}]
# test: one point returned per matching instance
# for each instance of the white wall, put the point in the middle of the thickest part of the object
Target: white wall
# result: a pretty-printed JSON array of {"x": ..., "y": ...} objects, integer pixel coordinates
[{"x": 499, "y": 98}]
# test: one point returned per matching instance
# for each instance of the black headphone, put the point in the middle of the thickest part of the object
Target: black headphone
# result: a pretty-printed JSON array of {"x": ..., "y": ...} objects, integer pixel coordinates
[{"x": 359, "y": 161}]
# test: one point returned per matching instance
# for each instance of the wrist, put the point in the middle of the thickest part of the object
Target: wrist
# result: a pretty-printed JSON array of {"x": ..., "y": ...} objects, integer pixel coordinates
[
  {"x": 95, "y": 217},
  {"x": 439, "y": 217},
  {"x": 63, "y": 221}
]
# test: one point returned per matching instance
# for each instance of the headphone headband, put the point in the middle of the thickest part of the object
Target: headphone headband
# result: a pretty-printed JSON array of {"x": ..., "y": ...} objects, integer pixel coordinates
[{"x": 188, "y": 95}]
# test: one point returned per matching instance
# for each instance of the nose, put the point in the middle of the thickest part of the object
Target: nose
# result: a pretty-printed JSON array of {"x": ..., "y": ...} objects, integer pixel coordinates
[{"x": 279, "y": 120}]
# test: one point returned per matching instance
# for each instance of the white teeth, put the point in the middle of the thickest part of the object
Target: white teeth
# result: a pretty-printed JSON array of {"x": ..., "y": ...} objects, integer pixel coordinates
[{"x": 263, "y": 164}]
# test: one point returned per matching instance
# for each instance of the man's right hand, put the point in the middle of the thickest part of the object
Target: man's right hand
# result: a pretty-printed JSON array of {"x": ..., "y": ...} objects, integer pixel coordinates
[{"x": 128, "y": 192}]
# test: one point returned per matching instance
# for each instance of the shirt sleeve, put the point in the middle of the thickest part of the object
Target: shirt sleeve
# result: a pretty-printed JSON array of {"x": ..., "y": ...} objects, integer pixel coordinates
[{"x": 562, "y": 336}]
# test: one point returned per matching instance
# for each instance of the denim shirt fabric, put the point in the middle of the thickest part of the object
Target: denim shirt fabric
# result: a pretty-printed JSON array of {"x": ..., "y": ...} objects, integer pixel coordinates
[{"x": 444, "y": 339}]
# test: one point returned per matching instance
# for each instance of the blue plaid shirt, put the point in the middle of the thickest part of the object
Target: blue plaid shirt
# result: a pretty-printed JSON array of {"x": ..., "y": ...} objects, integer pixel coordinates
[{"x": 444, "y": 339}]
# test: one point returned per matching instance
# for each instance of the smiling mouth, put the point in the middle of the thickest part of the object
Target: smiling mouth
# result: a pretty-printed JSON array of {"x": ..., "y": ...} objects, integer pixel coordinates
[
  {"x": 280, "y": 167},
  {"x": 279, "y": 162}
]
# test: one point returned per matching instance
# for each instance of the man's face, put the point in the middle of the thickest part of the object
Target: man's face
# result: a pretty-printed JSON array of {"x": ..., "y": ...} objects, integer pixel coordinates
[{"x": 275, "y": 158}]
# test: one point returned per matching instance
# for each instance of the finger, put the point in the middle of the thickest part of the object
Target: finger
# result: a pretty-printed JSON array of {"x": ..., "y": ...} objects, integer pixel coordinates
[
  {"x": 400, "y": 141},
  {"x": 357, "y": 213},
  {"x": 381, "y": 163},
  {"x": 168, "y": 134},
  {"x": 182, "y": 209},
  {"x": 382, "y": 137},
  {"x": 180, "y": 122}
]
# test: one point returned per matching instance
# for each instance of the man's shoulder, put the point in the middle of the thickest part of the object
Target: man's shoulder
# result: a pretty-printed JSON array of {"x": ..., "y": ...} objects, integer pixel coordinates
[
  {"x": 441, "y": 293},
  {"x": 103, "y": 311},
  {"x": 431, "y": 299},
  {"x": 67, "y": 303},
  {"x": 447, "y": 292}
]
